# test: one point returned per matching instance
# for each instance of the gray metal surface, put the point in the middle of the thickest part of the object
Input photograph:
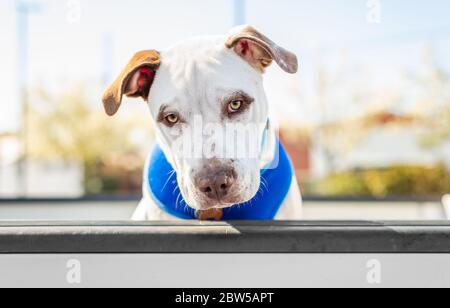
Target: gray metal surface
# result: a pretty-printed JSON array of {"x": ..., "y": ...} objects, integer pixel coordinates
[
  {"x": 225, "y": 271},
  {"x": 234, "y": 237}
]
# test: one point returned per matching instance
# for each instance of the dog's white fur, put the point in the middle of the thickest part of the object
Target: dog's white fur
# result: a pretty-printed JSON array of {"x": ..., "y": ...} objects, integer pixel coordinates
[{"x": 194, "y": 77}]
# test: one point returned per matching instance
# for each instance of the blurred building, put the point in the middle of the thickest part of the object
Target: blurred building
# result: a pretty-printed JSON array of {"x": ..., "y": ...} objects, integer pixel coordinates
[
  {"x": 49, "y": 179},
  {"x": 299, "y": 149},
  {"x": 373, "y": 140}
]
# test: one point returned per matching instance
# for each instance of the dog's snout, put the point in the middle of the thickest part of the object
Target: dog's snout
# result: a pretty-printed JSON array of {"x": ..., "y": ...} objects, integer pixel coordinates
[
  {"x": 216, "y": 187},
  {"x": 216, "y": 183}
]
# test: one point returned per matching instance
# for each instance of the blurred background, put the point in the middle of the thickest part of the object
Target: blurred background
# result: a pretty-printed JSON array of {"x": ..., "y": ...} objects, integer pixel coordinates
[{"x": 367, "y": 119}]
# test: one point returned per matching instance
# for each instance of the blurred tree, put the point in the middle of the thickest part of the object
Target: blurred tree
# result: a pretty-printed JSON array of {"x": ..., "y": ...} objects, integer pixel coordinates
[
  {"x": 434, "y": 102},
  {"x": 391, "y": 181},
  {"x": 439, "y": 128},
  {"x": 67, "y": 127},
  {"x": 340, "y": 131},
  {"x": 419, "y": 102}
]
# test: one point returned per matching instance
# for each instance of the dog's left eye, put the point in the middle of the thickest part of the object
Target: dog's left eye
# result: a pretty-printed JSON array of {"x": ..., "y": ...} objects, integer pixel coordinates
[
  {"x": 235, "y": 106},
  {"x": 172, "y": 119}
]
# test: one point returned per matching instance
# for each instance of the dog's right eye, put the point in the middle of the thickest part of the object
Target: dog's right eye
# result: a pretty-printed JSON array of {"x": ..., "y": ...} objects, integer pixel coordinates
[
  {"x": 172, "y": 119},
  {"x": 235, "y": 106}
]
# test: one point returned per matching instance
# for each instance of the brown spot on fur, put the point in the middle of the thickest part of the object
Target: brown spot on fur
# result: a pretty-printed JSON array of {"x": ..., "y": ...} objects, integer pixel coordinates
[
  {"x": 259, "y": 51},
  {"x": 163, "y": 113},
  {"x": 241, "y": 96}
]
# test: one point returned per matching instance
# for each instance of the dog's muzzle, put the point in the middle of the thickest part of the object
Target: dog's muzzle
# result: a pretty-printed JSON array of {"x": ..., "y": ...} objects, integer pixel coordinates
[
  {"x": 262, "y": 207},
  {"x": 216, "y": 182}
]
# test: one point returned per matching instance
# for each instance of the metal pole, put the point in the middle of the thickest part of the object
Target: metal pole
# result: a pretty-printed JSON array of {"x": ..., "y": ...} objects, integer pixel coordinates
[
  {"x": 108, "y": 57},
  {"x": 23, "y": 8},
  {"x": 22, "y": 81},
  {"x": 239, "y": 12}
]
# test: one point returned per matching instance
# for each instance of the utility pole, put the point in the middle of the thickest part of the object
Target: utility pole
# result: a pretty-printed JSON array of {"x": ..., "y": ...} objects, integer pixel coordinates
[
  {"x": 239, "y": 12},
  {"x": 107, "y": 57},
  {"x": 23, "y": 9}
]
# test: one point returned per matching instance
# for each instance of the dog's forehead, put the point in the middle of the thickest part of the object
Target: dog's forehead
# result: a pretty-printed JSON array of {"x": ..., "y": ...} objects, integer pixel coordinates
[
  {"x": 201, "y": 66},
  {"x": 201, "y": 46}
]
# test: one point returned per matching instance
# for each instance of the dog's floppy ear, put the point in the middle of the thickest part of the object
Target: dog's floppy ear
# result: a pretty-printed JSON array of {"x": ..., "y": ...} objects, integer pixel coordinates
[
  {"x": 134, "y": 81},
  {"x": 259, "y": 51}
]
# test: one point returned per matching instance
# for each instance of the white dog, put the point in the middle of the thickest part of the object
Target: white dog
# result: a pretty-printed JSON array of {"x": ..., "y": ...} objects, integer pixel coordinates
[
  {"x": 446, "y": 203},
  {"x": 213, "y": 82}
]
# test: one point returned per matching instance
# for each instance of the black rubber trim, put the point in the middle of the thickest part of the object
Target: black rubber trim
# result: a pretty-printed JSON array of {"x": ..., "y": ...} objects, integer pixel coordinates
[{"x": 233, "y": 237}]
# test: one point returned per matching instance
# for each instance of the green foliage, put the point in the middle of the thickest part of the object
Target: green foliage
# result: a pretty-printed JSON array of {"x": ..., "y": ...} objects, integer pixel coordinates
[
  {"x": 69, "y": 127},
  {"x": 439, "y": 128},
  {"x": 396, "y": 181}
]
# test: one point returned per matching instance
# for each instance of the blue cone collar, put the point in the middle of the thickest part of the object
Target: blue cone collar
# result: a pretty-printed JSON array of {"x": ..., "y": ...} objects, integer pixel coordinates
[{"x": 264, "y": 206}]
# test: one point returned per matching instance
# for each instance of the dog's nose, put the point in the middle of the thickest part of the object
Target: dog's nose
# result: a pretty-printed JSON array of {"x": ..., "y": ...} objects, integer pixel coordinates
[{"x": 217, "y": 185}]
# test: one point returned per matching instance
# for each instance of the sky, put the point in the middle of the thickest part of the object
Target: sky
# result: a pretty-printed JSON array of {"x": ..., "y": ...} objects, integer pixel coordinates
[{"x": 66, "y": 48}]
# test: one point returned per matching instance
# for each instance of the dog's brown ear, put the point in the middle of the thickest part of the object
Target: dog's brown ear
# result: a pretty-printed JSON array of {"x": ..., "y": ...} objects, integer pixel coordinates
[
  {"x": 134, "y": 81},
  {"x": 259, "y": 51}
]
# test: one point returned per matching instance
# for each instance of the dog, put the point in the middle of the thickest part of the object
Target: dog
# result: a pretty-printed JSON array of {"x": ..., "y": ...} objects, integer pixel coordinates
[
  {"x": 446, "y": 203},
  {"x": 218, "y": 81}
]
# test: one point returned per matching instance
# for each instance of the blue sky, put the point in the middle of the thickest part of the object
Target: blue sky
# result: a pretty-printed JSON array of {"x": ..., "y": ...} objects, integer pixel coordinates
[{"x": 325, "y": 33}]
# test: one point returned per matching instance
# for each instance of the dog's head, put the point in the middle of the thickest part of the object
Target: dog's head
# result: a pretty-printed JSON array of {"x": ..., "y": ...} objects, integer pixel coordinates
[{"x": 208, "y": 103}]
